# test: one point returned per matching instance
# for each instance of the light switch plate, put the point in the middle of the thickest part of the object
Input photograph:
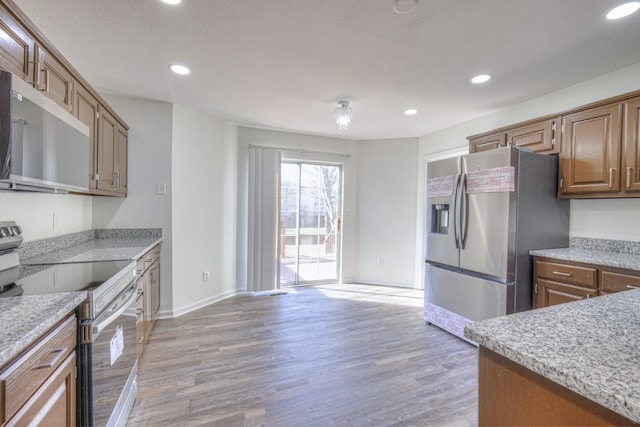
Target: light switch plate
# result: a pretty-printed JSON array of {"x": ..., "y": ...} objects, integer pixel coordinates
[{"x": 161, "y": 188}]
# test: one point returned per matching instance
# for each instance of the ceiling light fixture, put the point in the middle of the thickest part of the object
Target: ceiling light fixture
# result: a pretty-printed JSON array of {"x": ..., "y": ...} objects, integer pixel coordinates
[
  {"x": 404, "y": 6},
  {"x": 179, "y": 69},
  {"x": 410, "y": 112},
  {"x": 172, "y": 2},
  {"x": 481, "y": 78},
  {"x": 623, "y": 10},
  {"x": 343, "y": 115}
]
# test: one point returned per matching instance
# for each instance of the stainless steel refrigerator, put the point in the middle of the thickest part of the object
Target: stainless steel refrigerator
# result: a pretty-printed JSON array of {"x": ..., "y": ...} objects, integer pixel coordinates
[{"x": 485, "y": 211}]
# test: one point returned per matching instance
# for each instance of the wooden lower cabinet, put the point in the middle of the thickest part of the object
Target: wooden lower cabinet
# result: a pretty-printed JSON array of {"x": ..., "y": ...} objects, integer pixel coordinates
[
  {"x": 512, "y": 395},
  {"x": 557, "y": 282},
  {"x": 39, "y": 386},
  {"x": 552, "y": 293},
  {"x": 148, "y": 298}
]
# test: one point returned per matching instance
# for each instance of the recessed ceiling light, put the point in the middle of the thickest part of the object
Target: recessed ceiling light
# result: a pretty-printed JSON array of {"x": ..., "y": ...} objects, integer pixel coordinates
[
  {"x": 410, "y": 112},
  {"x": 179, "y": 69},
  {"x": 404, "y": 6},
  {"x": 623, "y": 10},
  {"x": 481, "y": 78},
  {"x": 172, "y": 2}
]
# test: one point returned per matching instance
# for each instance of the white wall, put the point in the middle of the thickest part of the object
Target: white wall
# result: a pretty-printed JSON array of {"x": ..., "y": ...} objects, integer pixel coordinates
[
  {"x": 150, "y": 124},
  {"x": 34, "y": 212},
  {"x": 612, "y": 219},
  {"x": 293, "y": 141},
  {"x": 204, "y": 173},
  {"x": 387, "y": 205}
]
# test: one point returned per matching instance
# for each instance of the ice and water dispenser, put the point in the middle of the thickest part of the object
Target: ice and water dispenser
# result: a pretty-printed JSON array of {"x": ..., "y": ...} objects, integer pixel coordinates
[{"x": 440, "y": 218}]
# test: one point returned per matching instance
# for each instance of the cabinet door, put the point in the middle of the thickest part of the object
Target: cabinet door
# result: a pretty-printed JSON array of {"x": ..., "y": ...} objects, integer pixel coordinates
[
  {"x": 538, "y": 137},
  {"x": 86, "y": 110},
  {"x": 121, "y": 160},
  {"x": 107, "y": 133},
  {"x": 487, "y": 142},
  {"x": 17, "y": 48},
  {"x": 549, "y": 293},
  {"x": 155, "y": 289},
  {"x": 147, "y": 304},
  {"x": 631, "y": 177},
  {"x": 54, "y": 404},
  {"x": 590, "y": 157},
  {"x": 54, "y": 80}
]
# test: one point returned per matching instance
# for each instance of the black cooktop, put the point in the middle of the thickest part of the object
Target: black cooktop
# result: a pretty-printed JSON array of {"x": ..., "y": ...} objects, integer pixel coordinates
[{"x": 55, "y": 278}]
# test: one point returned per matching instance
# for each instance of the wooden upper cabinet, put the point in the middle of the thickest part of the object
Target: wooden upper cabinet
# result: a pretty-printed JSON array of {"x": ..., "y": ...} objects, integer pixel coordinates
[
  {"x": 85, "y": 109},
  {"x": 540, "y": 137},
  {"x": 17, "y": 48},
  {"x": 590, "y": 156},
  {"x": 122, "y": 140},
  {"x": 631, "y": 156},
  {"x": 54, "y": 80},
  {"x": 487, "y": 142},
  {"x": 107, "y": 132}
]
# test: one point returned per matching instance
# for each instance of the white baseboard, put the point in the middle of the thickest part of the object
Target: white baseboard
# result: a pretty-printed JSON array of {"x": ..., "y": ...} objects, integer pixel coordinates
[
  {"x": 366, "y": 281},
  {"x": 170, "y": 314}
]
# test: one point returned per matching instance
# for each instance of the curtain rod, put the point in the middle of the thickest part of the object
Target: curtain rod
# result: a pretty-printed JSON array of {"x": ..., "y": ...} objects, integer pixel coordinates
[{"x": 299, "y": 151}]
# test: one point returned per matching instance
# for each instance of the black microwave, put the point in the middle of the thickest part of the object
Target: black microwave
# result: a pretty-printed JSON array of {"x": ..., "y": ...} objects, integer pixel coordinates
[{"x": 42, "y": 146}]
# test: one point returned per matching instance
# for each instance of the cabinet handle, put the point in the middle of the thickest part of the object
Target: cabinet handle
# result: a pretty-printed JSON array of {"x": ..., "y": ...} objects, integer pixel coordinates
[
  {"x": 562, "y": 273},
  {"x": 612, "y": 172},
  {"x": 633, "y": 287},
  {"x": 629, "y": 170},
  {"x": 58, "y": 354},
  {"x": 535, "y": 288}
]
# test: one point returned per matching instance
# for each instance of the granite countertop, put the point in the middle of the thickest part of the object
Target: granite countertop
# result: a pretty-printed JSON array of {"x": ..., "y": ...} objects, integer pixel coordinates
[
  {"x": 610, "y": 253},
  {"x": 102, "y": 245},
  {"x": 24, "y": 319},
  {"x": 591, "y": 347}
]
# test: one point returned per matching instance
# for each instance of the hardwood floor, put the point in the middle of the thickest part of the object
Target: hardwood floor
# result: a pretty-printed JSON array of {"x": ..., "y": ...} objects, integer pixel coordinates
[{"x": 328, "y": 355}]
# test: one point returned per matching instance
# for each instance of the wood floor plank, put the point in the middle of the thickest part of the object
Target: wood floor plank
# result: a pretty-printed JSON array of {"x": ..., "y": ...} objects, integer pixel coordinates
[{"x": 326, "y": 355}]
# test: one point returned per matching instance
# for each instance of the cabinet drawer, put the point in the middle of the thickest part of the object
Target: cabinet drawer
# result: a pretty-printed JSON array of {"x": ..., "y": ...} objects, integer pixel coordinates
[
  {"x": 567, "y": 273},
  {"x": 150, "y": 257},
  {"x": 24, "y": 376},
  {"x": 616, "y": 282}
]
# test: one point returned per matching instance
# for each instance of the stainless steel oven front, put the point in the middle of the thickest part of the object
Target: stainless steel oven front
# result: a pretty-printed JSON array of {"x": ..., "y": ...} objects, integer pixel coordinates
[{"x": 108, "y": 363}]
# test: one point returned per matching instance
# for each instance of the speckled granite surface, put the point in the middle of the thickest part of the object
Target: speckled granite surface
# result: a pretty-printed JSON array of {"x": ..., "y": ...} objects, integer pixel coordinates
[
  {"x": 104, "y": 245},
  {"x": 24, "y": 319},
  {"x": 591, "y": 347},
  {"x": 611, "y": 253}
]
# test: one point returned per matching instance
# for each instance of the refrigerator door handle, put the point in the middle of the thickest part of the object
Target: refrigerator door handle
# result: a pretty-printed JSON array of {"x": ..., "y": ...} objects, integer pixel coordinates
[
  {"x": 454, "y": 207},
  {"x": 464, "y": 212}
]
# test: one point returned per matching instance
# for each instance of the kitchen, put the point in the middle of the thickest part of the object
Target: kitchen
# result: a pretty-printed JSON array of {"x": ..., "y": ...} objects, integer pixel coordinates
[{"x": 195, "y": 154}]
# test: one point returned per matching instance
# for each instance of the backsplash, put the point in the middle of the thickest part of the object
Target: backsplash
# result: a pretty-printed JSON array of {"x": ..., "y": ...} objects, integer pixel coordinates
[{"x": 619, "y": 246}]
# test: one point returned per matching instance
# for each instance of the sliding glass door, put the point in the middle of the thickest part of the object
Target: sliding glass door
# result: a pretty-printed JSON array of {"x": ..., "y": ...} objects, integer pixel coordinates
[{"x": 310, "y": 198}]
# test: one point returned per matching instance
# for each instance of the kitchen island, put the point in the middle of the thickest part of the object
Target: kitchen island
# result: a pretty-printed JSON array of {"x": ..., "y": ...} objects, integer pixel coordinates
[{"x": 575, "y": 363}]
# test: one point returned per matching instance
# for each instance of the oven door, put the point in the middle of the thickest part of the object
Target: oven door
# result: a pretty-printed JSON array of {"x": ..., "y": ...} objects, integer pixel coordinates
[{"x": 108, "y": 364}]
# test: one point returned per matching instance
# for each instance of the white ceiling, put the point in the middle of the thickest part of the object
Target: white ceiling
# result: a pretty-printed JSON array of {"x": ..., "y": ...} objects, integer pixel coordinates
[{"x": 284, "y": 64}]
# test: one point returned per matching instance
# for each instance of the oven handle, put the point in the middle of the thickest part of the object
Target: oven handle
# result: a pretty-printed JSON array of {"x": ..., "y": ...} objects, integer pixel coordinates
[{"x": 119, "y": 309}]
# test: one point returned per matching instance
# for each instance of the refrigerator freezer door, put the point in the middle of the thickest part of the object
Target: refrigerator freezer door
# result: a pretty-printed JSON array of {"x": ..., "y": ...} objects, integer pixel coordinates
[
  {"x": 442, "y": 177},
  {"x": 489, "y": 211},
  {"x": 471, "y": 297}
]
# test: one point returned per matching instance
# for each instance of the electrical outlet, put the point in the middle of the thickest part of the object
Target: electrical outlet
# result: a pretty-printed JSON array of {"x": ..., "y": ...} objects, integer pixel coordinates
[
  {"x": 380, "y": 261},
  {"x": 205, "y": 276}
]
